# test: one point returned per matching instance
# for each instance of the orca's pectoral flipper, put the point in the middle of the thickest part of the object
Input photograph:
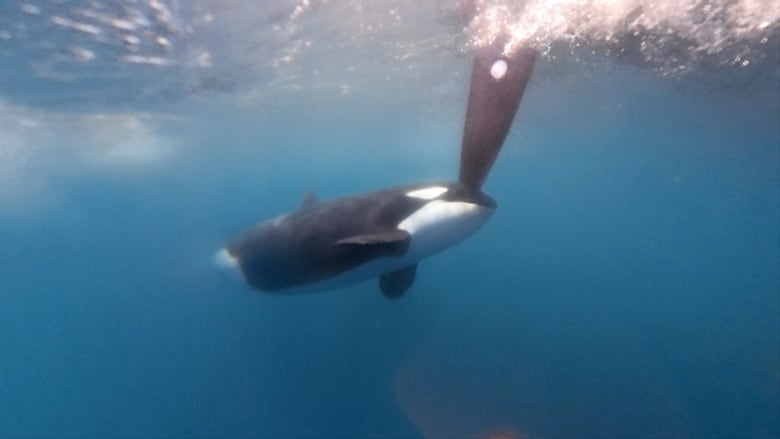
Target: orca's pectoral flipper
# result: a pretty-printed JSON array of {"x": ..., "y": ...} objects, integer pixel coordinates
[
  {"x": 497, "y": 85},
  {"x": 395, "y": 283},
  {"x": 392, "y": 243}
]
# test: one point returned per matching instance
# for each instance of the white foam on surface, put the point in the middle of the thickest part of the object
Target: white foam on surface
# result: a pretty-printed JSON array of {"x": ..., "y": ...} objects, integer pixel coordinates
[{"x": 158, "y": 49}]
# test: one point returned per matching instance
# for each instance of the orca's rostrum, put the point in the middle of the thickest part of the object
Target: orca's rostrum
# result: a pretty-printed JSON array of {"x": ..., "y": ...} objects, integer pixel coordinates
[{"x": 384, "y": 234}]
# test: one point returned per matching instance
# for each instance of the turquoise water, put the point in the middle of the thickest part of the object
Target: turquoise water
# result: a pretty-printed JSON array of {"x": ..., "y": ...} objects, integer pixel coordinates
[{"x": 628, "y": 285}]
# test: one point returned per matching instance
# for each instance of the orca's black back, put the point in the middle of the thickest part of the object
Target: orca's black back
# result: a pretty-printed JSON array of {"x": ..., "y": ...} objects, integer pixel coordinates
[{"x": 300, "y": 248}]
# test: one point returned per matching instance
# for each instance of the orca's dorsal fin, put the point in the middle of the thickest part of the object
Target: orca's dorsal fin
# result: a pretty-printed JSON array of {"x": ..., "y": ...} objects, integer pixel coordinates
[
  {"x": 392, "y": 243},
  {"x": 498, "y": 81},
  {"x": 309, "y": 200},
  {"x": 395, "y": 283}
]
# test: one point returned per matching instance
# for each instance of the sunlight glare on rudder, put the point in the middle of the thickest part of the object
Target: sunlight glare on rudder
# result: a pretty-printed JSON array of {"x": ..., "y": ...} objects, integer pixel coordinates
[{"x": 498, "y": 69}]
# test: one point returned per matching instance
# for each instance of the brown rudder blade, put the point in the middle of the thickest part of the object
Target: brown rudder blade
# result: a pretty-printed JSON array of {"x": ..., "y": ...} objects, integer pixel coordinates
[{"x": 497, "y": 85}]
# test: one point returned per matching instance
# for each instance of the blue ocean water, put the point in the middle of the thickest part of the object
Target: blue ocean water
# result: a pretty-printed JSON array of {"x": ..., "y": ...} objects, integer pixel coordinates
[{"x": 628, "y": 285}]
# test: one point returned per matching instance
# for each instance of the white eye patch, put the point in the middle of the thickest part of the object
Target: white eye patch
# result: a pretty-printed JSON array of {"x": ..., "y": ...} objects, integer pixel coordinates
[{"x": 427, "y": 193}]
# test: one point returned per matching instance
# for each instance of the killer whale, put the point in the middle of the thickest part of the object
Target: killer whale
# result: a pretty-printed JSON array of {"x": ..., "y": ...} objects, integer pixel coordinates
[
  {"x": 384, "y": 234},
  {"x": 326, "y": 245}
]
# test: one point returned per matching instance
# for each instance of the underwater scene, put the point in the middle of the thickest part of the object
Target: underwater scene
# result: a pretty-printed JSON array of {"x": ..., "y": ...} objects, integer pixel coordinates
[{"x": 603, "y": 263}]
